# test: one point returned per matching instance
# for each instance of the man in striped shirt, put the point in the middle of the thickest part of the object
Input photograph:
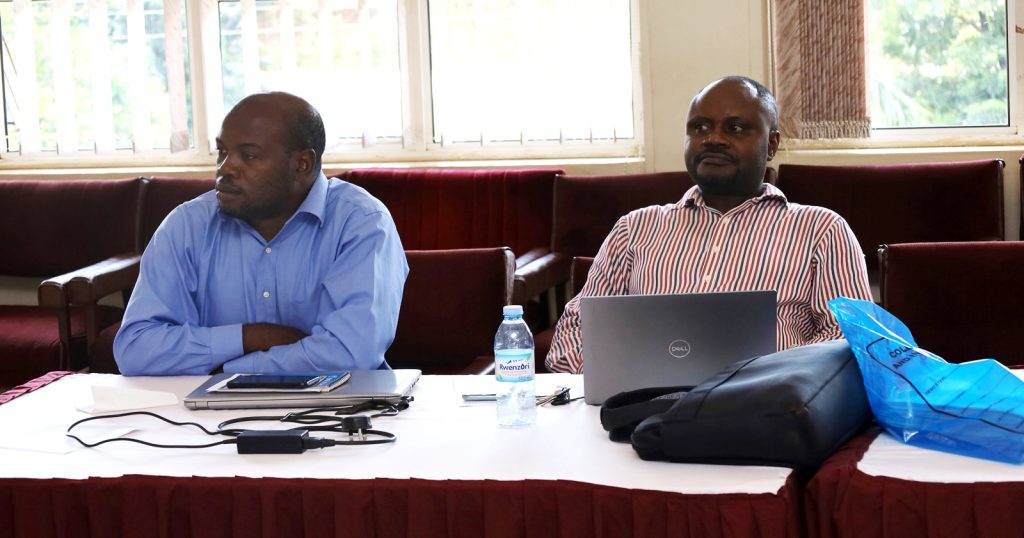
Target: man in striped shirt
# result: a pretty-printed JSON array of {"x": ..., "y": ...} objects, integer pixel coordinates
[{"x": 731, "y": 232}]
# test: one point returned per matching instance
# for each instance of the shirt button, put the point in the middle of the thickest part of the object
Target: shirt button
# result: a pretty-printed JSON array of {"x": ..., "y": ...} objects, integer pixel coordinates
[
  {"x": 707, "y": 278},
  {"x": 266, "y": 295},
  {"x": 714, "y": 249},
  {"x": 268, "y": 250}
]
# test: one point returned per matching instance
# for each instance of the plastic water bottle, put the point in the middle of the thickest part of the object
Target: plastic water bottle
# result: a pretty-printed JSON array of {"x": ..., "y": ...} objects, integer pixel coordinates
[{"x": 513, "y": 369}]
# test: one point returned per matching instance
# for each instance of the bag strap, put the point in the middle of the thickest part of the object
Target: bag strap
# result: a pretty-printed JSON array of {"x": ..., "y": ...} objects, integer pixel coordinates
[{"x": 621, "y": 413}]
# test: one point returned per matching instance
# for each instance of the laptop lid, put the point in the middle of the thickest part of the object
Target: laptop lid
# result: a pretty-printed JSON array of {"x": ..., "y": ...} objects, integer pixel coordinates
[
  {"x": 363, "y": 385},
  {"x": 641, "y": 341}
]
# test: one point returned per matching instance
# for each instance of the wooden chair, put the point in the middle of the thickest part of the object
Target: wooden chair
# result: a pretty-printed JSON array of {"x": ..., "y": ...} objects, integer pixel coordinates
[
  {"x": 48, "y": 229},
  {"x": 88, "y": 286},
  {"x": 904, "y": 203},
  {"x": 578, "y": 273},
  {"x": 451, "y": 309},
  {"x": 960, "y": 300},
  {"x": 449, "y": 208}
]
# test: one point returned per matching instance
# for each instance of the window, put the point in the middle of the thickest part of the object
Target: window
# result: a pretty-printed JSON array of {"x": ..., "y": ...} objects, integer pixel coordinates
[
  {"x": 392, "y": 78},
  {"x": 546, "y": 70},
  {"x": 936, "y": 63},
  {"x": 94, "y": 76},
  {"x": 341, "y": 56}
]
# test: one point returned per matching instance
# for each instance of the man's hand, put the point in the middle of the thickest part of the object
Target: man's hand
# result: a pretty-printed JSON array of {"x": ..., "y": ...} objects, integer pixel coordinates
[{"x": 263, "y": 336}]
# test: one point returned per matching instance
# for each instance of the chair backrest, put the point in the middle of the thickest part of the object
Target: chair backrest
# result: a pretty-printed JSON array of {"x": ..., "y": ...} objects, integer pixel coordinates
[
  {"x": 579, "y": 272},
  {"x": 1020, "y": 225},
  {"x": 445, "y": 208},
  {"x": 962, "y": 300},
  {"x": 50, "y": 227},
  {"x": 161, "y": 195},
  {"x": 586, "y": 207},
  {"x": 905, "y": 203},
  {"x": 451, "y": 307}
]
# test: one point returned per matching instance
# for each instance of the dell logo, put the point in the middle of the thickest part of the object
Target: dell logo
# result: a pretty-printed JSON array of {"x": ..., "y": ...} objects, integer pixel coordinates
[{"x": 679, "y": 348}]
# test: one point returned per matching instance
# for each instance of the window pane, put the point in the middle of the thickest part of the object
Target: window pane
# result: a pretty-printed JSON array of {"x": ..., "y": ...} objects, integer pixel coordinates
[
  {"x": 94, "y": 75},
  {"x": 531, "y": 69},
  {"x": 937, "y": 63},
  {"x": 340, "y": 55}
]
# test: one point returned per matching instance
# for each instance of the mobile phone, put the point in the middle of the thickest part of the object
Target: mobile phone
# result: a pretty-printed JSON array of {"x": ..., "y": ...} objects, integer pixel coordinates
[{"x": 274, "y": 381}]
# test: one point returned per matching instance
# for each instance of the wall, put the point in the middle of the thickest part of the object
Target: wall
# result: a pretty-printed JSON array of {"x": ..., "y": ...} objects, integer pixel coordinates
[
  {"x": 684, "y": 45},
  {"x": 688, "y": 44}
]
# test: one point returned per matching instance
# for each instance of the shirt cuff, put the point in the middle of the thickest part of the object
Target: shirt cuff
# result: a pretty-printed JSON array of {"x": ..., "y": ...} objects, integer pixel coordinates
[
  {"x": 243, "y": 365},
  {"x": 226, "y": 341}
]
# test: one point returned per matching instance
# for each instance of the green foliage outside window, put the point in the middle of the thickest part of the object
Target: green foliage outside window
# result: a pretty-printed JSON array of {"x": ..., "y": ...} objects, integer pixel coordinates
[{"x": 937, "y": 63}]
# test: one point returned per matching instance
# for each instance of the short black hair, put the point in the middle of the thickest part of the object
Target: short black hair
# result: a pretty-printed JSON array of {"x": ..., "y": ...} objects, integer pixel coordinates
[
  {"x": 307, "y": 129},
  {"x": 764, "y": 95},
  {"x": 303, "y": 121}
]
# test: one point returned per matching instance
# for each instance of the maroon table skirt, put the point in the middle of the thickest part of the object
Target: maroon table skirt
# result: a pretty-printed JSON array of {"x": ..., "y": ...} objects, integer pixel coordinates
[
  {"x": 170, "y": 507},
  {"x": 842, "y": 502}
]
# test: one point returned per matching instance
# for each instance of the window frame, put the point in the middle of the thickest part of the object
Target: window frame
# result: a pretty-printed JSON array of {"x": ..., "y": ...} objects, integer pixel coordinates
[
  {"x": 1014, "y": 117},
  {"x": 416, "y": 145}
]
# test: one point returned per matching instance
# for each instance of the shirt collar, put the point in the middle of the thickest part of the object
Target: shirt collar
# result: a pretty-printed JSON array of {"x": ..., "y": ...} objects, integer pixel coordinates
[
  {"x": 316, "y": 201},
  {"x": 693, "y": 197}
]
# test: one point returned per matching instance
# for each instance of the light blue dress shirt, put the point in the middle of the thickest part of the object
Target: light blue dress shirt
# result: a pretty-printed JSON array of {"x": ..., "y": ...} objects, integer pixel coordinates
[{"x": 335, "y": 271}]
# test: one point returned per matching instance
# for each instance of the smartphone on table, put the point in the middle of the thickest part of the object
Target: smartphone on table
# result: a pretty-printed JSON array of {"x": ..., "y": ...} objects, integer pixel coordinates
[{"x": 274, "y": 381}]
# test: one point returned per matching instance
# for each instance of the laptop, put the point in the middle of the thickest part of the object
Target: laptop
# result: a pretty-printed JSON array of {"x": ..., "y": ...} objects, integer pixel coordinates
[
  {"x": 642, "y": 341},
  {"x": 363, "y": 385}
]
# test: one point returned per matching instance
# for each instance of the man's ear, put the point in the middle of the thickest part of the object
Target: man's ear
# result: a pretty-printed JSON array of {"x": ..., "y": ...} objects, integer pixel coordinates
[
  {"x": 773, "y": 143},
  {"x": 305, "y": 160}
]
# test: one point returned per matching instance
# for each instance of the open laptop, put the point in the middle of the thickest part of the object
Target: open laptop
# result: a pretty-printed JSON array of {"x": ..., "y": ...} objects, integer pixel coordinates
[
  {"x": 641, "y": 341},
  {"x": 363, "y": 385}
]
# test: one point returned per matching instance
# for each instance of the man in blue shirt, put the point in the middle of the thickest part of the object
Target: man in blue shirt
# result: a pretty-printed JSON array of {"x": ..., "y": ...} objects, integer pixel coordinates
[{"x": 277, "y": 270}]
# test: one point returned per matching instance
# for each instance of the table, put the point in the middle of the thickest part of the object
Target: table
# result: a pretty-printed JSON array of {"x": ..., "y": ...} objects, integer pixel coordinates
[
  {"x": 878, "y": 486},
  {"x": 452, "y": 472}
]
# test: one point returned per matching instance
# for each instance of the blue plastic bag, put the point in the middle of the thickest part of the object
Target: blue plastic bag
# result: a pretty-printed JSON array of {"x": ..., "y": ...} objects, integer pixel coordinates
[{"x": 975, "y": 408}]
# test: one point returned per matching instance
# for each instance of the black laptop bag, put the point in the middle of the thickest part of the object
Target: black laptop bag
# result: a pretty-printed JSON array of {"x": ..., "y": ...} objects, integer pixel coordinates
[{"x": 789, "y": 409}]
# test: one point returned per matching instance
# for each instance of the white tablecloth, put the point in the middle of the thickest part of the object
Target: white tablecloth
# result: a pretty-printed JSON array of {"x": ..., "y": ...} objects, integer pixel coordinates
[{"x": 440, "y": 437}]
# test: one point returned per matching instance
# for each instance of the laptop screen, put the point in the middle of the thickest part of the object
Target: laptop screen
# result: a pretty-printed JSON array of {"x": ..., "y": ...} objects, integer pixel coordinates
[{"x": 641, "y": 341}]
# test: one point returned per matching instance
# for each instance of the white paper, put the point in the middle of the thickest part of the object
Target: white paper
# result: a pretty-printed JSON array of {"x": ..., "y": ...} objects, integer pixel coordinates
[{"x": 107, "y": 399}]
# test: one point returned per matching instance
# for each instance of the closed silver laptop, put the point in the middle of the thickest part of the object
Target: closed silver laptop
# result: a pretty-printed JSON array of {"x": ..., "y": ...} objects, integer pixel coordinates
[
  {"x": 383, "y": 385},
  {"x": 641, "y": 341}
]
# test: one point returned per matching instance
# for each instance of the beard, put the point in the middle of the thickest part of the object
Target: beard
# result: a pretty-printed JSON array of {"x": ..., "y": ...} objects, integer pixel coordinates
[{"x": 738, "y": 177}]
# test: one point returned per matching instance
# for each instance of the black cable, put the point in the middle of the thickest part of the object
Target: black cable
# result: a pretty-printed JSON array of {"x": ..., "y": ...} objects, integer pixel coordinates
[
  {"x": 154, "y": 415},
  {"x": 289, "y": 441},
  {"x": 316, "y": 419},
  {"x": 147, "y": 443}
]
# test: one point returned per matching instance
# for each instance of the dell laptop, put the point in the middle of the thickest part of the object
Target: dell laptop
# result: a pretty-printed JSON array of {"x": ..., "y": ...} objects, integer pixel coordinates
[
  {"x": 642, "y": 341},
  {"x": 363, "y": 385}
]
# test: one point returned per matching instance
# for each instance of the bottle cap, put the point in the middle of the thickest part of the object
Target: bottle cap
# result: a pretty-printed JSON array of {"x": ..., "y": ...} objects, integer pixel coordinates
[{"x": 512, "y": 310}]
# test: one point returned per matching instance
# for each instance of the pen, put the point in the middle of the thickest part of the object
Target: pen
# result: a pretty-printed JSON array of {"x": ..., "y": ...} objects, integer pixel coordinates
[
  {"x": 479, "y": 397},
  {"x": 541, "y": 400}
]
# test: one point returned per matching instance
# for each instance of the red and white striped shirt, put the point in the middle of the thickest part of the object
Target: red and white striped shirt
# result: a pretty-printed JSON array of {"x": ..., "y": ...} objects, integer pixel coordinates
[{"x": 807, "y": 254}]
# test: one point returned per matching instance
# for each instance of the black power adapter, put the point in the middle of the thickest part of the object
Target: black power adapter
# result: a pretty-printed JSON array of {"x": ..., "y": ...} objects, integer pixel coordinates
[{"x": 278, "y": 441}]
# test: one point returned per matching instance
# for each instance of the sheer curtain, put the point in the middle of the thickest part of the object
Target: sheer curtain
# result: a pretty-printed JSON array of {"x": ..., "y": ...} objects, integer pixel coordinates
[{"x": 820, "y": 71}]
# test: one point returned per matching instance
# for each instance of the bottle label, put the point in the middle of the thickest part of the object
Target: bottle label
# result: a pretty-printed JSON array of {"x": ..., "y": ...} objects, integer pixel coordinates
[{"x": 514, "y": 365}]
